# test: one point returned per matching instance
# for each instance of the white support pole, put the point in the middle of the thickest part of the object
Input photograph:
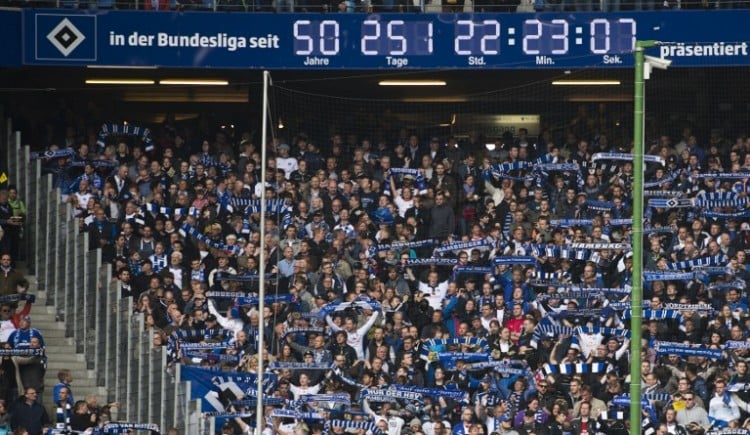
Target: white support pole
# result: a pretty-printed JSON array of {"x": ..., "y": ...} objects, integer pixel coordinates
[{"x": 259, "y": 421}]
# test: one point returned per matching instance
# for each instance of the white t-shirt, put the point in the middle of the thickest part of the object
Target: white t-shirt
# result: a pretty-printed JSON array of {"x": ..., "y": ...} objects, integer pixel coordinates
[{"x": 288, "y": 164}]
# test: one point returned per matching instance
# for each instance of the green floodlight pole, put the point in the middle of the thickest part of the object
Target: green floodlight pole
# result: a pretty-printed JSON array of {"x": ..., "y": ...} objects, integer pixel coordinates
[{"x": 636, "y": 298}]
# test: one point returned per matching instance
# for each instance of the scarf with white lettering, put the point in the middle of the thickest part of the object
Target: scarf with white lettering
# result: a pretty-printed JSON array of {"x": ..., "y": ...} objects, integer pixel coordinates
[
  {"x": 400, "y": 246},
  {"x": 667, "y": 276},
  {"x": 745, "y": 214},
  {"x": 511, "y": 260},
  {"x": 434, "y": 342},
  {"x": 430, "y": 262},
  {"x": 673, "y": 348},
  {"x": 460, "y": 246},
  {"x": 647, "y": 158},
  {"x": 125, "y": 427},
  {"x": 567, "y": 223},
  {"x": 725, "y": 175}
]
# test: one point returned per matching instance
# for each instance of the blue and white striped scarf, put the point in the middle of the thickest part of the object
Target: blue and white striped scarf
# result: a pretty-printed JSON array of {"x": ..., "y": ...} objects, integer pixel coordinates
[
  {"x": 127, "y": 129},
  {"x": 720, "y": 199},
  {"x": 603, "y": 331},
  {"x": 549, "y": 331},
  {"x": 253, "y": 205},
  {"x": 503, "y": 168},
  {"x": 656, "y": 183},
  {"x": 656, "y": 314},
  {"x": 705, "y": 261},
  {"x": 673, "y": 348},
  {"x": 189, "y": 229},
  {"x": 572, "y": 369},
  {"x": 563, "y": 252},
  {"x": 175, "y": 213},
  {"x": 550, "y": 276},
  {"x": 46, "y": 155}
]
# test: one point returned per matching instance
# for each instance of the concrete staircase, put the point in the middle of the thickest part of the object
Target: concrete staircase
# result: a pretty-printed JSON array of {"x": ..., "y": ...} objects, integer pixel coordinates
[{"x": 61, "y": 353}]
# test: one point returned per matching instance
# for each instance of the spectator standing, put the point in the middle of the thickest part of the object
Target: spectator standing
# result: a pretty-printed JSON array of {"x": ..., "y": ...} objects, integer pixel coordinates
[{"x": 29, "y": 414}]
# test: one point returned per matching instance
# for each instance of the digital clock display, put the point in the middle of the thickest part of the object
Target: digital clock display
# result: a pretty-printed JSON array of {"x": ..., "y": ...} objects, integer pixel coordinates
[
  {"x": 380, "y": 41},
  {"x": 476, "y": 40}
]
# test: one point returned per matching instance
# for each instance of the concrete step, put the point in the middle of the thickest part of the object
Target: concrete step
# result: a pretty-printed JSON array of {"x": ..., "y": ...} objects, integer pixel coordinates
[{"x": 61, "y": 350}]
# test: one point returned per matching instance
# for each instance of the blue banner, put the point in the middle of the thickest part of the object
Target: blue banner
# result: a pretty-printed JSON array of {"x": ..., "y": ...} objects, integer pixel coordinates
[{"x": 362, "y": 41}]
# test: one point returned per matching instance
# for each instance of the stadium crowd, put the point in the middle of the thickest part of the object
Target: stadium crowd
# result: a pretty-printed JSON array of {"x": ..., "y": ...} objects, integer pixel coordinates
[{"x": 430, "y": 286}]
